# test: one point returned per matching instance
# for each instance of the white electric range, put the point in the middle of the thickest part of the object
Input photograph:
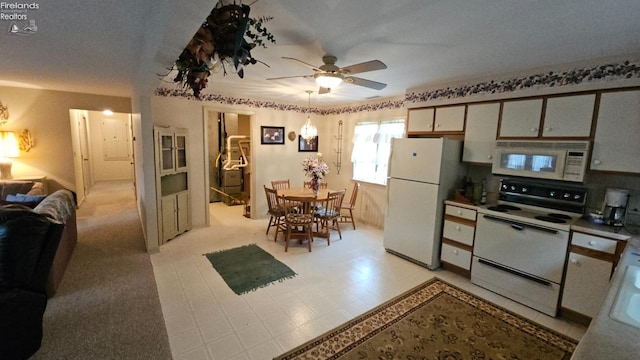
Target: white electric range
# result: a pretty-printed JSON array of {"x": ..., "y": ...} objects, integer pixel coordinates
[{"x": 521, "y": 241}]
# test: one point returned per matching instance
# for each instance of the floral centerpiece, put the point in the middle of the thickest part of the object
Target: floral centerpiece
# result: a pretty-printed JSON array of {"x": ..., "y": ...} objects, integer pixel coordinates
[{"x": 316, "y": 169}]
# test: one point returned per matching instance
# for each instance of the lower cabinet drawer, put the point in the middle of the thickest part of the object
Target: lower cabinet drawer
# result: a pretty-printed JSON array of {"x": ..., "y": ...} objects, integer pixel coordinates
[
  {"x": 456, "y": 256},
  {"x": 594, "y": 242},
  {"x": 459, "y": 232}
]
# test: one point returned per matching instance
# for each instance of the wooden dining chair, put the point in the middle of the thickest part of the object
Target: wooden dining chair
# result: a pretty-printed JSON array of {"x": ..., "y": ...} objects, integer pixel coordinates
[
  {"x": 276, "y": 211},
  {"x": 298, "y": 213},
  {"x": 350, "y": 206},
  {"x": 323, "y": 185},
  {"x": 328, "y": 215},
  {"x": 280, "y": 184}
]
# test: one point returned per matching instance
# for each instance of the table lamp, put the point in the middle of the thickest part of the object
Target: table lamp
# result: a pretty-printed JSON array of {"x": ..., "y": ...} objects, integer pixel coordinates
[{"x": 8, "y": 150}]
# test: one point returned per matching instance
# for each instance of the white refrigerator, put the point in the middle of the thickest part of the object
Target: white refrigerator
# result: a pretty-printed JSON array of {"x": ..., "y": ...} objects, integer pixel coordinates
[{"x": 423, "y": 173}]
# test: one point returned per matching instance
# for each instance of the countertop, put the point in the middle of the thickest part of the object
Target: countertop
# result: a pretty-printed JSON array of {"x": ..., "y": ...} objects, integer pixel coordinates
[
  {"x": 606, "y": 338},
  {"x": 461, "y": 204}
]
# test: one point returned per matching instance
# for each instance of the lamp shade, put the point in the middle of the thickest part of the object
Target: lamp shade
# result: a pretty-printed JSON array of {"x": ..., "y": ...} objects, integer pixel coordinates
[
  {"x": 328, "y": 80},
  {"x": 8, "y": 145}
]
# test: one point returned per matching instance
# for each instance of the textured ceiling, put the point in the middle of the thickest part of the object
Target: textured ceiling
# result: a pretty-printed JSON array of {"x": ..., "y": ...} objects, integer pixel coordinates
[{"x": 117, "y": 47}]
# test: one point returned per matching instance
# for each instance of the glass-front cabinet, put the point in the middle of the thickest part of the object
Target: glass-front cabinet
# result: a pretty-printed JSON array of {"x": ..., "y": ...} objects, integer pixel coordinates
[
  {"x": 172, "y": 182},
  {"x": 172, "y": 146}
]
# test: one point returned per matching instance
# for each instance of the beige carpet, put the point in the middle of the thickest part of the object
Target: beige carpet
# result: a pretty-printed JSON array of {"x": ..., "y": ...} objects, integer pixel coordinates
[
  {"x": 437, "y": 320},
  {"x": 107, "y": 305}
]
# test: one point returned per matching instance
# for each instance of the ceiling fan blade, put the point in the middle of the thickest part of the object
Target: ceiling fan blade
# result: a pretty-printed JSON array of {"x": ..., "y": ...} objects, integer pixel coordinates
[
  {"x": 366, "y": 83},
  {"x": 363, "y": 67},
  {"x": 290, "y": 77},
  {"x": 315, "y": 68},
  {"x": 323, "y": 90}
]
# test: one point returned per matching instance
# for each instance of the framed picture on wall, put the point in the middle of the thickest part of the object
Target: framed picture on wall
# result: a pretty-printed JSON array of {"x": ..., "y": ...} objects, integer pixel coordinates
[
  {"x": 272, "y": 135},
  {"x": 307, "y": 145}
]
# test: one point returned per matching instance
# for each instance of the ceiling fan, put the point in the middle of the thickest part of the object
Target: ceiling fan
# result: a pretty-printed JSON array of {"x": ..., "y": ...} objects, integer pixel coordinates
[{"x": 329, "y": 75}]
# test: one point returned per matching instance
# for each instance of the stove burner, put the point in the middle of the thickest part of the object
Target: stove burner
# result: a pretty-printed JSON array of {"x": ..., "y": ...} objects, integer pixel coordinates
[
  {"x": 550, "y": 219},
  {"x": 509, "y": 207},
  {"x": 560, "y": 216},
  {"x": 503, "y": 208}
]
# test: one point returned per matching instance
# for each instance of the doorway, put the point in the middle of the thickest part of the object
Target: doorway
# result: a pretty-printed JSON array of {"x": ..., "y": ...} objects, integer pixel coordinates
[
  {"x": 102, "y": 148},
  {"x": 228, "y": 154}
]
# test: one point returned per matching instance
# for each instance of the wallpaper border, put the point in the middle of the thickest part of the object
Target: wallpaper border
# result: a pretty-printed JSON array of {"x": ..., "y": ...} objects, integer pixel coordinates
[{"x": 598, "y": 73}]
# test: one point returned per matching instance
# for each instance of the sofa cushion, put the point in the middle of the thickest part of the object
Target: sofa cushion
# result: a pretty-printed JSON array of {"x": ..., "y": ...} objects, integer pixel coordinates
[
  {"x": 37, "y": 189},
  {"x": 15, "y": 187},
  {"x": 23, "y": 234}
]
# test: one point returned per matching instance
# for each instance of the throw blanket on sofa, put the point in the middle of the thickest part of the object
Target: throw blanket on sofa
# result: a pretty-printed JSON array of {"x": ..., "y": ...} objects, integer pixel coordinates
[{"x": 58, "y": 206}]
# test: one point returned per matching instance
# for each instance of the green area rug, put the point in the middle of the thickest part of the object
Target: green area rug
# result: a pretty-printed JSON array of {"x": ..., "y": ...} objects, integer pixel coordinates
[
  {"x": 248, "y": 268},
  {"x": 437, "y": 320}
]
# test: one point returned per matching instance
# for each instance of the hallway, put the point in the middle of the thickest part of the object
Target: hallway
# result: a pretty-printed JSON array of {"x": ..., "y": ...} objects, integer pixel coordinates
[{"x": 107, "y": 305}]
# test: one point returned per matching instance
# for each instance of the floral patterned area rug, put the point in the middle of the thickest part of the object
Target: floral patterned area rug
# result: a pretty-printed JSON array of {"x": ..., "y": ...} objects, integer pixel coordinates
[{"x": 437, "y": 320}]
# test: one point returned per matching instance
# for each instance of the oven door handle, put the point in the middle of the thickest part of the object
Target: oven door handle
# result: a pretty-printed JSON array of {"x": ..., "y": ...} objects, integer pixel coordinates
[
  {"x": 519, "y": 226},
  {"x": 514, "y": 272}
]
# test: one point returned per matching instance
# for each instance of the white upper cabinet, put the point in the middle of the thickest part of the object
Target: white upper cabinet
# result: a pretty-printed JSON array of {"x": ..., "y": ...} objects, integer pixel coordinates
[
  {"x": 617, "y": 140},
  {"x": 480, "y": 133},
  {"x": 450, "y": 118},
  {"x": 420, "y": 120},
  {"x": 569, "y": 116},
  {"x": 446, "y": 119},
  {"x": 521, "y": 118}
]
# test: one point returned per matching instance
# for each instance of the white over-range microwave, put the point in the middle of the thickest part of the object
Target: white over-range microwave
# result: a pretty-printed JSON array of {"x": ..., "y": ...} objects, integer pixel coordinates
[{"x": 544, "y": 159}]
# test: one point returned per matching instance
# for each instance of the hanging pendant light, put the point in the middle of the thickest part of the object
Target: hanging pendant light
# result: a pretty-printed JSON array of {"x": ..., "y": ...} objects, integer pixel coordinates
[{"x": 308, "y": 131}]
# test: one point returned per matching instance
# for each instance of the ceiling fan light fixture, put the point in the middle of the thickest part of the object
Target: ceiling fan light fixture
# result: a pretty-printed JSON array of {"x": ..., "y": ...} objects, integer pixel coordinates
[{"x": 328, "y": 80}]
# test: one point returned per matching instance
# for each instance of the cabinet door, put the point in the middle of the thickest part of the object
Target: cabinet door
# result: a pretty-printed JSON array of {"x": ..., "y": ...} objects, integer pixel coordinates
[
  {"x": 183, "y": 211},
  {"x": 169, "y": 218},
  {"x": 521, "y": 118},
  {"x": 450, "y": 118},
  {"x": 420, "y": 120},
  {"x": 586, "y": 284},
  {"x": 569, "y": 116},
  {"x": 166, "y": 153},
  {"x": 181, "y": 151},
  {"x": 616, "y": 145},
  {"x": 480, "y": 134}
]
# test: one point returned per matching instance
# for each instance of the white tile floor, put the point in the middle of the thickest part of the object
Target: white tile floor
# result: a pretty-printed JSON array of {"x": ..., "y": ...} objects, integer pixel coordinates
[{"x": 206, "y": 320}]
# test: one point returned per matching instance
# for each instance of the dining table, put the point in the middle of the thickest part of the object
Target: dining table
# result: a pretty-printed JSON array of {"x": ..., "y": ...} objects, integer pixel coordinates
[{"x": 306, "y": 192}]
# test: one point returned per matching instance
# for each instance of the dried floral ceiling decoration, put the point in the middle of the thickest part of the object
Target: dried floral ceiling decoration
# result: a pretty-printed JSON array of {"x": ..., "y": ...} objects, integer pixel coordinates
[{"x": 226, "y": 38}]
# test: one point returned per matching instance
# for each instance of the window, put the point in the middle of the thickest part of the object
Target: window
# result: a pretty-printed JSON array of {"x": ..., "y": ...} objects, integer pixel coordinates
[{"x": 371, "y": 149}]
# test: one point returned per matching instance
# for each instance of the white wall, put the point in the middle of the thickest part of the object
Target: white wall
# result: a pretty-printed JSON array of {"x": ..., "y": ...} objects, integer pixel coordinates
[
  {"x": 271, "y": 162},
  {"x": 371, "y": 201}
]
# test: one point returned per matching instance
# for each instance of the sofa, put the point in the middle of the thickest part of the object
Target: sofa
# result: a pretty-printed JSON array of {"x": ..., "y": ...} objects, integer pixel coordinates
[{"x": 35, "y": 246}]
